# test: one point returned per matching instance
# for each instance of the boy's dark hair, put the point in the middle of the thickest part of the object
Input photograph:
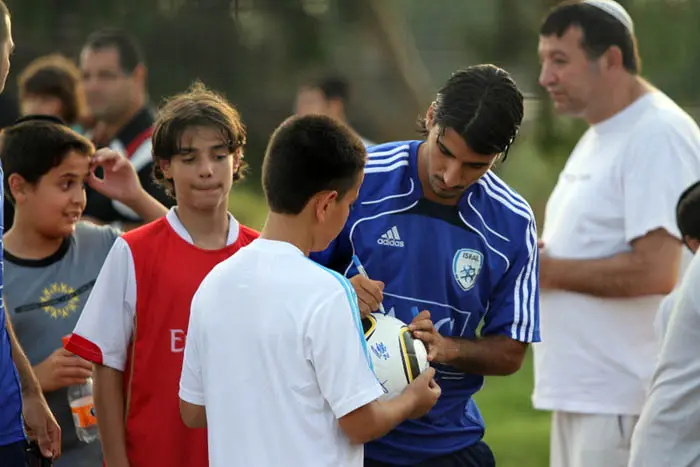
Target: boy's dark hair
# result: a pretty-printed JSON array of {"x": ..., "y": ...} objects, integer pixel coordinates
[
  {"x": 688, "y": 212},
  {"x": 198, "y": 106},
  {"x": 331, "y": 86},
  {"x": 34, "y": 146},
  {"x": 307, "y": 155},
  {"x": 55, "y": 76},
  {"x": 130, "y": 53},
  {"x": 483, "y": 104},
  {"x": 600, "y": 31}
]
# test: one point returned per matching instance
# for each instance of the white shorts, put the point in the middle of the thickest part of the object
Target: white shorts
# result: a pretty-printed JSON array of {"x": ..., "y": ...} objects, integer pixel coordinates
[{"x": 590, "y": 440}]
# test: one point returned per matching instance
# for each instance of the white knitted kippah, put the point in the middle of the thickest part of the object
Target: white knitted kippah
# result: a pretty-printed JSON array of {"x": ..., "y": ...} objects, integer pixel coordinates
[{"x": 614, "y": 9}]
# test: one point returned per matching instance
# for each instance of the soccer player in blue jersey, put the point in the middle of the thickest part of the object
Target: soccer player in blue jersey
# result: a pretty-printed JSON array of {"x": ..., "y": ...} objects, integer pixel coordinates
[{"x": 438, "y": 231}]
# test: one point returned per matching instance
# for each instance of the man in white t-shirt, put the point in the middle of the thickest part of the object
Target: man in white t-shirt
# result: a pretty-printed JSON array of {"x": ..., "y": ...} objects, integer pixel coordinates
[
  {"x": 276, "y": 365},
  {"x": 610, "y": 247}
]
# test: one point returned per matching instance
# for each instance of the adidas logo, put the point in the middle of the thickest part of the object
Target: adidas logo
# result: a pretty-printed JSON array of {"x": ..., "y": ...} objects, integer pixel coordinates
[{"x": 391, "y": 238}]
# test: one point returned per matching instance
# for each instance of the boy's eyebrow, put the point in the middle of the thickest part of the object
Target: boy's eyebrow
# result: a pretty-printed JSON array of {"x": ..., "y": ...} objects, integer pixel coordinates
[
  {"x": 74, "y": 175},
  {"x": 185, "y": 149}
]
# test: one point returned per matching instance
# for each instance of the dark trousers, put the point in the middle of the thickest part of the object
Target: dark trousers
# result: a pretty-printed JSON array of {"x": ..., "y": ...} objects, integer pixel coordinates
[
  {"x": 476, "y": 455},
  {"x": 13, "y": 455}
]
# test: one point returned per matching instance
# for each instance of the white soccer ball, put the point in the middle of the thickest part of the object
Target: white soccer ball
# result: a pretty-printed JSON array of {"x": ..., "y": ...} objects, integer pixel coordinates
[{"x": 398, "y": 358}]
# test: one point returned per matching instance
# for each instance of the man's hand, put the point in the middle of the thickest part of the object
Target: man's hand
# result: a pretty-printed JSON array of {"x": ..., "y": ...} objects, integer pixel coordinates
[
  {"x": 423, "y": 329},
  {"x": 41, "y": 426},
  {"x": 61, "y": 369},
  {"x": 120, "y": 181},
  {"x": 369, "y": 294}
]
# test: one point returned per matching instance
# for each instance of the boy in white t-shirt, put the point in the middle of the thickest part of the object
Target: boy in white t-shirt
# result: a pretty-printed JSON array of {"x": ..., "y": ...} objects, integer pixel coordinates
[
  {"x": 610, "y": 245},
  {"x": 275, "y": 360},
  {"x": 688, "y": 218}
]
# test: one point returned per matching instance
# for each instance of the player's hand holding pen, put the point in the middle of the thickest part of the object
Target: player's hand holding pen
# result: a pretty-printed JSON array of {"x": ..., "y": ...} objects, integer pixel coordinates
[{"x": 369, "y": 292}]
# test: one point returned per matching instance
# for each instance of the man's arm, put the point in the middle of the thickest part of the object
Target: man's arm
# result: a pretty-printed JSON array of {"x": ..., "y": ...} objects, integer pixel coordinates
[
  {"x": 493, "y": 355},
  {"x": 337, "y": 351},
  {"x": 40, "y": 422},
  {"x": 192, "y": 409},
  {"x": 109, "y": 409},
  {"x": 510, "y": 323},
  {"x": 379, "y": 417},
  {"x": 651, "y": 268},
  {"x": 27, "y": 378},
  {"x": 193, "y": 415},
  {"x": 488, "y": 356}
]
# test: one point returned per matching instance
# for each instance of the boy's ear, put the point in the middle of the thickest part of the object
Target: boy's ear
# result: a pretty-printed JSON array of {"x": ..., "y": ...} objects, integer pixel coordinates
[
  {"x": 324, "y": 202},
  {"x": 165, "y": 168},
  {"x": 430, "y": 116},
  {"x": 19, "y": 187}
]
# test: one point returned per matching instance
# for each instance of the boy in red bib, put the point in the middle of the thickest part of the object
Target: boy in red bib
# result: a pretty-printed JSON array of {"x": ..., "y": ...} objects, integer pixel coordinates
[{"x": 135, "y": 322}]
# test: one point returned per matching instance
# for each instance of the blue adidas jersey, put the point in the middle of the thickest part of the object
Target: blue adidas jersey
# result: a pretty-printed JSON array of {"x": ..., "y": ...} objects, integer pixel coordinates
[
  {"x": 11, "y": 426},
  {"x": 466, "y": 263}
]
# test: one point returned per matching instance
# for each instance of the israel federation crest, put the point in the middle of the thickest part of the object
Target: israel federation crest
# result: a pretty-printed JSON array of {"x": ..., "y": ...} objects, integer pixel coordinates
[{"x": 466, "y": 266}]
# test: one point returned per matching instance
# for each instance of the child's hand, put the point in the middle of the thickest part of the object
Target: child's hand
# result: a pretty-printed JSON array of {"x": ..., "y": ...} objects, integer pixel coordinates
[
  {"x": 120, "y": 181},
  {"x": 61, "y": 369}
]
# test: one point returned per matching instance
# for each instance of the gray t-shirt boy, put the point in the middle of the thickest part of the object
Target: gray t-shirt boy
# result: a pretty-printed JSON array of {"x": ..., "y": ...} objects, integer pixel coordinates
[{"x": 44, "y": 299}]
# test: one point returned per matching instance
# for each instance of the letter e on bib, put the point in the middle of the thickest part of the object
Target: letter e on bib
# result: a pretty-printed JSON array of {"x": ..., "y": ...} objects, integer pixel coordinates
[{"x": 466, "y": 266}]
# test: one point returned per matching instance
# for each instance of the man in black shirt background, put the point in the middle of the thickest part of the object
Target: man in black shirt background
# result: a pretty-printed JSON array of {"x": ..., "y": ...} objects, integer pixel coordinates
[{"x": 114, "y": 77}]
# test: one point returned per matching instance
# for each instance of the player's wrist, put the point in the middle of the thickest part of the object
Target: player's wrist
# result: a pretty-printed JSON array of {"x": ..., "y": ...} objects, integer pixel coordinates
[
  {"x": 134, "y": 198},
  {"x": 450, "y": 353}
]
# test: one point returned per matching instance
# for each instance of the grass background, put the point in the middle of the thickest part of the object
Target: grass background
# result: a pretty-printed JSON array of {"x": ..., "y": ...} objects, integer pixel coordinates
[{"x": 518, "y": 434}]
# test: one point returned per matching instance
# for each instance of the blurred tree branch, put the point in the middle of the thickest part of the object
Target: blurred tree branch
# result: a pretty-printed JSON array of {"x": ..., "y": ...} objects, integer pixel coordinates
[{"x": 399, "y": 43}]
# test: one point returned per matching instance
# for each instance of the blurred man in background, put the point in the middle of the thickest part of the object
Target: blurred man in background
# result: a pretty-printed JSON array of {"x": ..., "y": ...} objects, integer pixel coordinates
[
  {"x": 114, "y": 76},
  {"x": 50, "y": 85},
  {"x": 328, "y": 96},
  {"x": 610, "y": 247}
]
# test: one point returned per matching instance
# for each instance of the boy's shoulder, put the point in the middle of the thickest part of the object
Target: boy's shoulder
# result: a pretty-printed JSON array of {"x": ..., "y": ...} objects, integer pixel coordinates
[
  {"x": 246, "y": 235},
  {"x": 147, "y": 233},
  {"x": 388, "y": 171},
  {"x": 93, "y": 237}
]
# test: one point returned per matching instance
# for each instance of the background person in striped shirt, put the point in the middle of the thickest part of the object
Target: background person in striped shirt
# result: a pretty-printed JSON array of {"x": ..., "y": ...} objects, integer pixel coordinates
[{"x": 438, "y": 231}]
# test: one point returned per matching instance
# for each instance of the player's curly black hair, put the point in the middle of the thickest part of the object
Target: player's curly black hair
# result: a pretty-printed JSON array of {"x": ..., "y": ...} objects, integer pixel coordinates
[{"x": 483, "y": 105}]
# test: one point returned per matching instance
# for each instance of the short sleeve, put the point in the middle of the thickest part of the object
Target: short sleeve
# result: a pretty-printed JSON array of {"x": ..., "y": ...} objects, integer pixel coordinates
[
  {"x": 338, "y": 356},
  {"x": 105, "y": 326},
  {"x": 191, "y": 383},
  {"x": 514, "y": 308},
  {"x": 658, "y": 166}
]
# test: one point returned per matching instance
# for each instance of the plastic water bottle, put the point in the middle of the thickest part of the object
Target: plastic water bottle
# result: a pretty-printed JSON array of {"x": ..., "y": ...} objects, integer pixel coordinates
[{"x": 83, "y": 409}]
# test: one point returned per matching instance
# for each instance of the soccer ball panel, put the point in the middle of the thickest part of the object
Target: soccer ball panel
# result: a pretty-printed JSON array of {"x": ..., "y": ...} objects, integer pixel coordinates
[{"x": 398, "y": 358}]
